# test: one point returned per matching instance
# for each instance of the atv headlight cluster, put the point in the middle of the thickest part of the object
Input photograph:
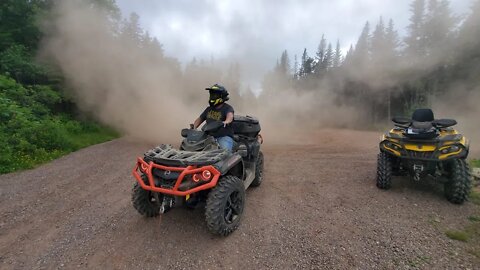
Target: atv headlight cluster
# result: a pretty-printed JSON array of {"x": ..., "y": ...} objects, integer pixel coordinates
[
  {"x": 450, "y": 149},
  {"x": 392, "y": 146}
]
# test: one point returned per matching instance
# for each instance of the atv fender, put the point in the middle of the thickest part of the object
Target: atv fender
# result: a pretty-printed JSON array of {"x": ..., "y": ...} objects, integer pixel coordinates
[{"x": 233, "y": 166}]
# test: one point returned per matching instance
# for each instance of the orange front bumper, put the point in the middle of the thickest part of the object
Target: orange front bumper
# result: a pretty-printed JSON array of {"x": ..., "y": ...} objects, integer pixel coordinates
[{"x": 146, "y": 168}]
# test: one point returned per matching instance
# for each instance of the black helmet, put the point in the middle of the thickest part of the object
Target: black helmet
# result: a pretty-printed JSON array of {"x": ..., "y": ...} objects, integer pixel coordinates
[{"x": 218, "y": 94}]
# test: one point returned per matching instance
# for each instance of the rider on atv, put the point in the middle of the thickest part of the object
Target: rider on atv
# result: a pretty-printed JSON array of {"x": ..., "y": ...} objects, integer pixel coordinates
[
  {"x": 219, "y": 110},
  {"x": 201, "y": 172}
]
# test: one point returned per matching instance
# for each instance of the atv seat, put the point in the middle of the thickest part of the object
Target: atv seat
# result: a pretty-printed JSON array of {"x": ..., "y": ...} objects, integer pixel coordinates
[
  {"x": 423, "y": 115},
  {"x": 421, "y": 126}
]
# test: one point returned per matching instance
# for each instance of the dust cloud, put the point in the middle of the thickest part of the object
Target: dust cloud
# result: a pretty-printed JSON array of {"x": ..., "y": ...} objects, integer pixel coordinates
[
  {"x": 135, "y": 90},
  {"x": 146, "y": 95},
  {"x": 463, "y": 106}
]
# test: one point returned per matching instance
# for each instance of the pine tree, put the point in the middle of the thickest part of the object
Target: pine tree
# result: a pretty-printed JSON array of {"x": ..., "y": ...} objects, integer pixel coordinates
[
  {"x": 349, "y": 55},
  {"x": 378, "y": 44},
  {"x": 284, "y": 64},
  {"x": 392, "y": 44},
  {"x": 131, "y": 29},
  {"x": 469, "y": 36},
  {"x": 439, "y": 27},
  {"x": 467, "y": 67},
  {"x": 328, "y": 59},
  {"x": 360, "y": 56},
  {"x": 306, "y": 67},
  {"x": 295, "y": 68},
  {"x": 391, "y": 37},
  {"x": 18, "y": 24},
  {"x": 337, "y": 59},
  {"x": 415, "y": 41},
  {"x": 320, "y": 55}
]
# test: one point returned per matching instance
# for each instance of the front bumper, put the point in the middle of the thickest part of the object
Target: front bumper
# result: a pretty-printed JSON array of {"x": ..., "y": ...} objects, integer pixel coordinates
[
  {"x": 422, "y": 150},
  {"x": 182, "y": 186}
]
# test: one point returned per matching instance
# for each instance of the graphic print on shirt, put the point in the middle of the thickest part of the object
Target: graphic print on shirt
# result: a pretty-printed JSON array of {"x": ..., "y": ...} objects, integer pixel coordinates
[{"x": 214, "y": 115}]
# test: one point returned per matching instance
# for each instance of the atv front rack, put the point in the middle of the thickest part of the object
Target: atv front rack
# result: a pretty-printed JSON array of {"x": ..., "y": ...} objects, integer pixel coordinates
[
  {"x": 190, "y": 179},
  {"x": 165, "y": 154}
]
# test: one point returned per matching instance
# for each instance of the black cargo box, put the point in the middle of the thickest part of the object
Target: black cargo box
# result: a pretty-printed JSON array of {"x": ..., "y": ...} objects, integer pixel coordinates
[{"x": 246, "y": 125}]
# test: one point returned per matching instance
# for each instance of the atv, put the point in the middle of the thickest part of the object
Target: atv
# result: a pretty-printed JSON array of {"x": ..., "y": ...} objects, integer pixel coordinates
[
  {"x": 201, "y": 172},
  {"x": 423, "y": 146}
]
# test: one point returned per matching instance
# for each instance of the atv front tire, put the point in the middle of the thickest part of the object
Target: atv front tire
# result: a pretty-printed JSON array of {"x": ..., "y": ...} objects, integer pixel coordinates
[
  {"x": 459, "y": 183},
  {"x": 384, "y": 171},
  {"x": 258, "y": 171},
  {"x": 145, "y": 202},
  {"x": 225, "y": 204}
]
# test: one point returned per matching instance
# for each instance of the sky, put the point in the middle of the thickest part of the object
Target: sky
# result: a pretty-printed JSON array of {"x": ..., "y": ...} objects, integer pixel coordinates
[{"x": 255, "y": 32}]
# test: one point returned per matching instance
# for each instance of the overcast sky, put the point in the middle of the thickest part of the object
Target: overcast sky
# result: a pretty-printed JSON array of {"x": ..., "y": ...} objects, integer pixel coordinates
[{"x": 255, "y": 32}]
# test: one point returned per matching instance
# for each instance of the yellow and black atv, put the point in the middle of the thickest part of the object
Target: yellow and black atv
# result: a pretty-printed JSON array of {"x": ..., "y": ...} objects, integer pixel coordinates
[{"x": 423, "y": 146}]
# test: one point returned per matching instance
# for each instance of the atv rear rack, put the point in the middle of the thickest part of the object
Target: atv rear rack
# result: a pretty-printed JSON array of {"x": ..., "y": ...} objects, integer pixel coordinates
[{"x": 184, "y": 180}]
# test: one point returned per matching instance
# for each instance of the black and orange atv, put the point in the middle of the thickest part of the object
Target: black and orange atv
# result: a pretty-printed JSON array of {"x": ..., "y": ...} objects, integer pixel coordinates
[
  {"x": 201, "y": 172},
  {"x": 421, "y": 147}
]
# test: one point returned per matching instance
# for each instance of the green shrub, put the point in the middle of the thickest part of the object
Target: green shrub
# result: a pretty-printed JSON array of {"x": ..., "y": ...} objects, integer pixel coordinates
[{"x": 31, "y": 134}]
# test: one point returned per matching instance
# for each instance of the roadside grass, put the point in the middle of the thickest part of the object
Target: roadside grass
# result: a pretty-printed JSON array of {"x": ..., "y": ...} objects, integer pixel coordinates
[
  {"x": 470, "y": 234},
  {"x": 91, "y": 137},
  {"x": 475, "y": 163},
  {"x": 419, "y": 260},
  {"x": 457, "y": 235},
  {"x": 474, "y": 197},
  {"x": 474, "y": 218},
  {"x": 66, "y": 137}
]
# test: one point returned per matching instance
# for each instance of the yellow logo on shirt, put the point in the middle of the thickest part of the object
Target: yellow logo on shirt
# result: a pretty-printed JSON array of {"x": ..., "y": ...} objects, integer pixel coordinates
[{"x": 214, "y": 115}]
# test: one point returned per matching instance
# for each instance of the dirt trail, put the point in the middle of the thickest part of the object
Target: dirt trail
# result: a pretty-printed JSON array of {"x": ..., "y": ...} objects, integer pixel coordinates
[{"x": 318, "y": 207}]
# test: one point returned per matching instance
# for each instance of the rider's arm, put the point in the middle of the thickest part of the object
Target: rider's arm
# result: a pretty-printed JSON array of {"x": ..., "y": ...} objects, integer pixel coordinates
[
  {"x": 197, "y": 123},
  {"x": 229, "y": 118}
]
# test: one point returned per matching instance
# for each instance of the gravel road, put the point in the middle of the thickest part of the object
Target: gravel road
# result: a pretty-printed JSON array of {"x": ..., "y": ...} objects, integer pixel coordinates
[{"x": 318, "y": 208}]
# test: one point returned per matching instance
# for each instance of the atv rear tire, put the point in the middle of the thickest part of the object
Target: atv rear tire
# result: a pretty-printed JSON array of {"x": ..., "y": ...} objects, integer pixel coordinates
[
  {"x": 145, "y": 202},
  {"x": 258, "y": 171},
  {"x": 384, "y": 171},
  {"x": 225, "y": 204},
  {"x": 459, "y": 183}
]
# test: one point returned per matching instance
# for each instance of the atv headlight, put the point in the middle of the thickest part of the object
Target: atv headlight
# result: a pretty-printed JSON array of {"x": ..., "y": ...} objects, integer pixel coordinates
[
  {"x": 450, "y": 149},
  {"x": 392, "y": 146}
]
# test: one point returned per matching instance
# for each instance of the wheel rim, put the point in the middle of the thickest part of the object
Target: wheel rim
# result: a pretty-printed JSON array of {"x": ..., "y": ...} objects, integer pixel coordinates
[{"x": 233, "y": 207}]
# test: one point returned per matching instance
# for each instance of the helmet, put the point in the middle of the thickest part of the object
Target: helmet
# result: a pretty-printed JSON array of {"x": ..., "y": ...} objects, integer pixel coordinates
[{"x": 218, "y": 95}]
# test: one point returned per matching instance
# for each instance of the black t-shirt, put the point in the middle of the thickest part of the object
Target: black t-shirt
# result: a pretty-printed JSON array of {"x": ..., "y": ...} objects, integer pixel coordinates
[{"x": 213, "y": 114}]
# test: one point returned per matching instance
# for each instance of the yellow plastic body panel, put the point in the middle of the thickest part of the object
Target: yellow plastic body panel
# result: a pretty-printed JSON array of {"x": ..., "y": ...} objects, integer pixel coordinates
[
  {"x": 425, "y": 147},
  {"x": 420, "y": 147}
]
